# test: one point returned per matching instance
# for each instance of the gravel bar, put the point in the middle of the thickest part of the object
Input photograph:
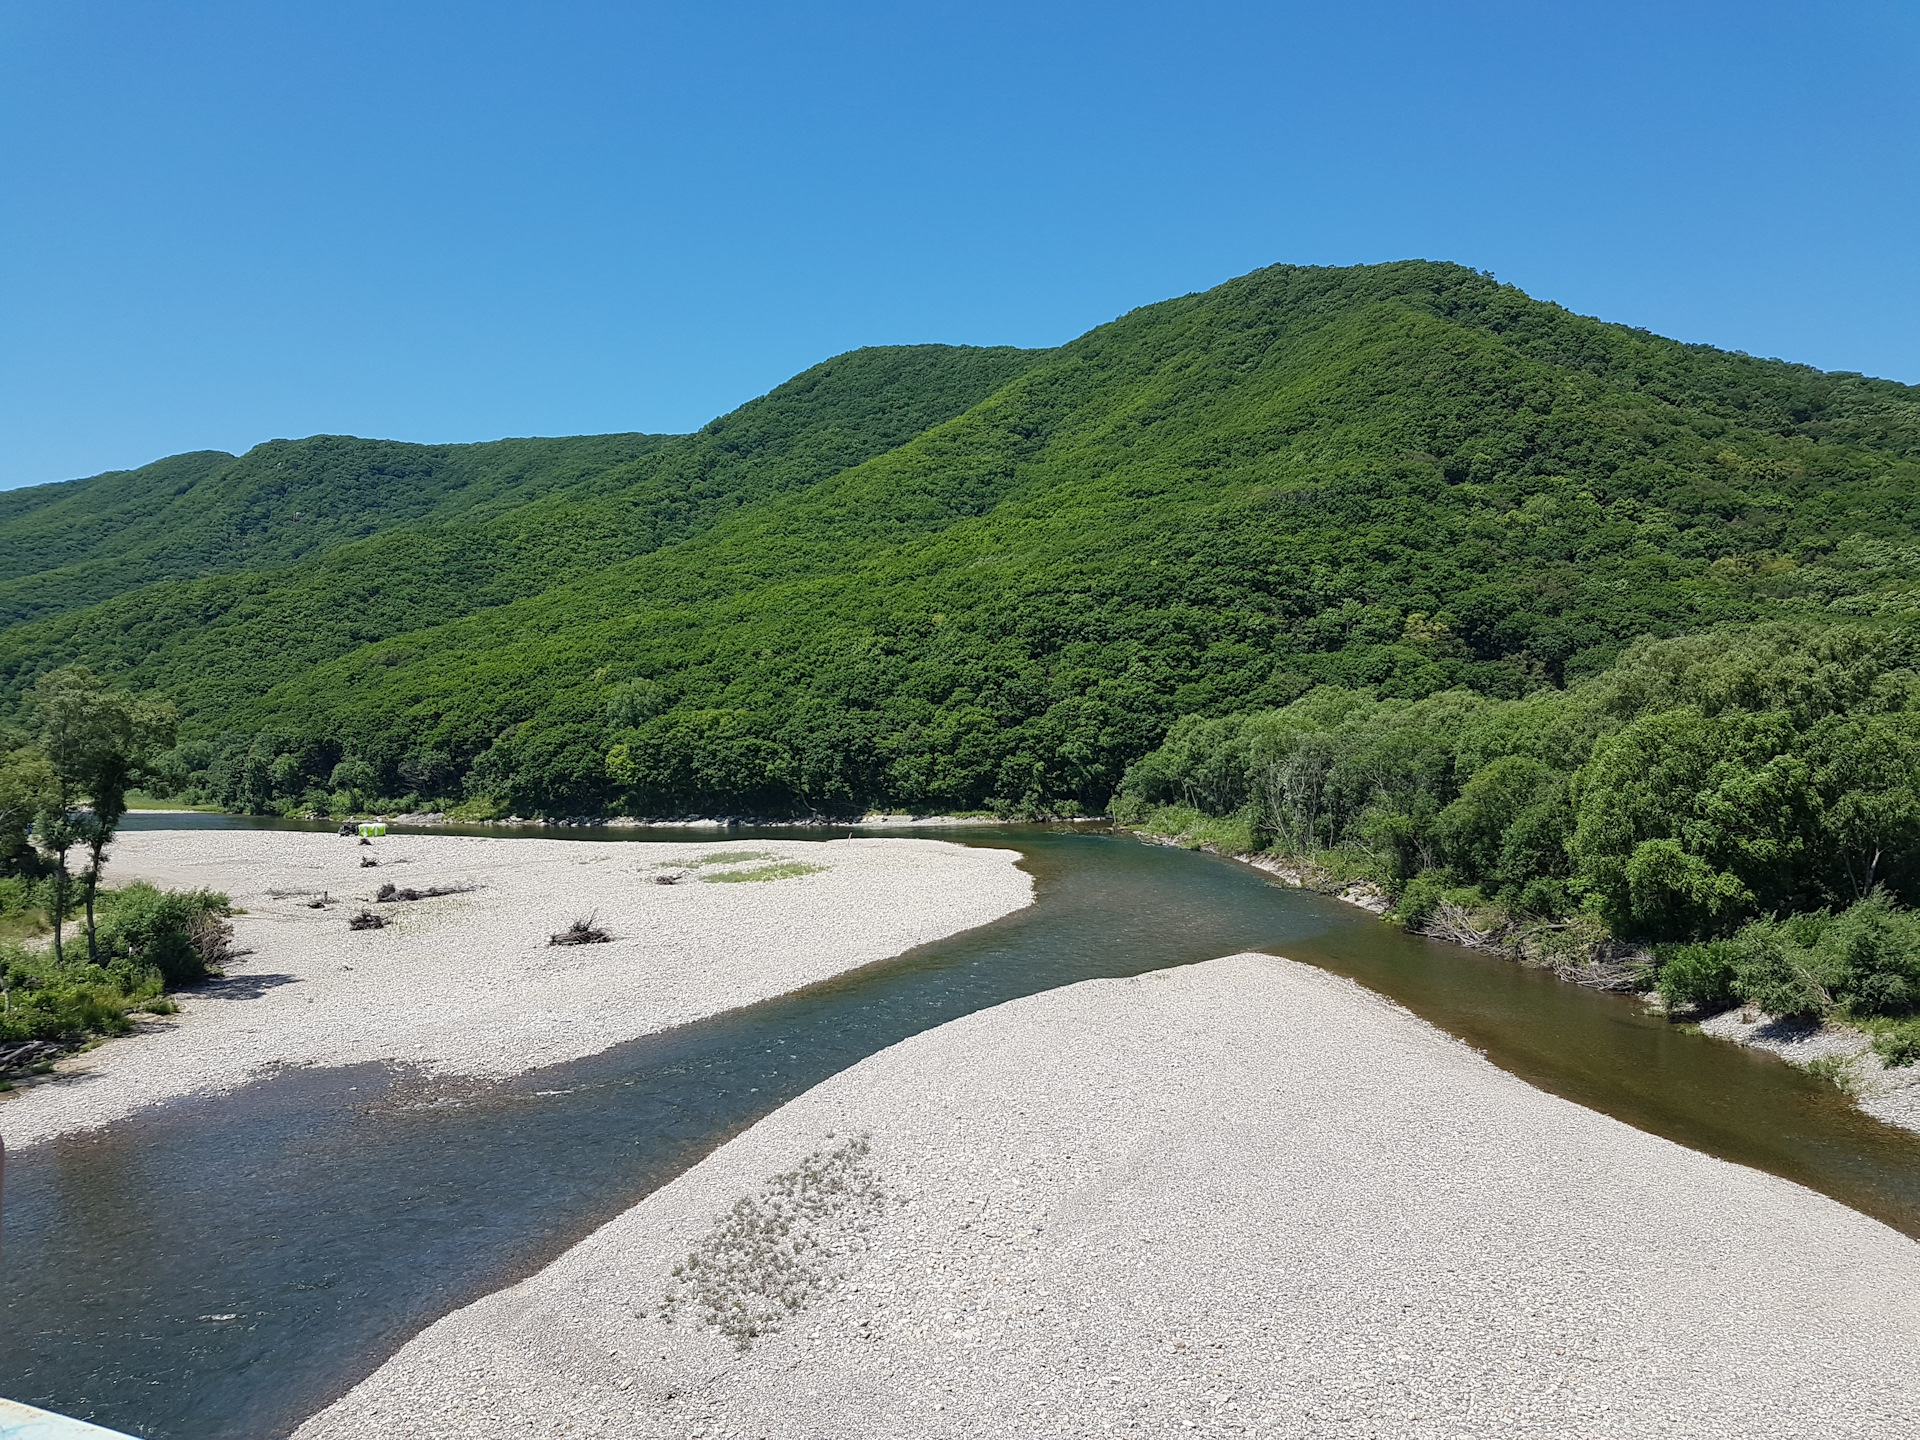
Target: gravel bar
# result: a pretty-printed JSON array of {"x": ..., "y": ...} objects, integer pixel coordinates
[
  {"x": 1238, "y": 1198},
  {"x": 466, "y": 984}
]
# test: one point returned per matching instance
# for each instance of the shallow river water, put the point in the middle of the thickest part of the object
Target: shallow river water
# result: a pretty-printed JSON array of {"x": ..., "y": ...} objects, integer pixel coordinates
[{"x": 220, "y": 1268}]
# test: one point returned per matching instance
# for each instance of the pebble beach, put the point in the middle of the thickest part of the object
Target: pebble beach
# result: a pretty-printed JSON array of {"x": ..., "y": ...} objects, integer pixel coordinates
[
  {"x": 467, "y": 984},
  {"x": 1238, "y": 1198}
]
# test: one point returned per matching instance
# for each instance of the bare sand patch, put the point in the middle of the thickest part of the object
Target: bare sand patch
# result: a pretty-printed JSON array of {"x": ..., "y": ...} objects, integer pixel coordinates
[
  {"x": 1244, "y": 1197},
  {"x": 467, "y": 983}
]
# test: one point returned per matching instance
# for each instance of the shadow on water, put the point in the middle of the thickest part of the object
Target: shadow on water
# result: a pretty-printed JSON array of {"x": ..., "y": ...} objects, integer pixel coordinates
[{"x": 223, "y": 1267}]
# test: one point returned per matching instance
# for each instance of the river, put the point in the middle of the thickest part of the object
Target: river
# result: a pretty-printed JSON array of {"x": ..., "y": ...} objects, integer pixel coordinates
[{"x": 222, "y": 1267}]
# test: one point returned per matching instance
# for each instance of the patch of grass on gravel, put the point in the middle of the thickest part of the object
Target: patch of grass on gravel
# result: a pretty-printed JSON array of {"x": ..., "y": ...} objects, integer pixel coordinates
[
  {"x": 1837, "y": 1070},
  {"x": 781, "y": 1248},
  {"x": 782, "y": 870}
]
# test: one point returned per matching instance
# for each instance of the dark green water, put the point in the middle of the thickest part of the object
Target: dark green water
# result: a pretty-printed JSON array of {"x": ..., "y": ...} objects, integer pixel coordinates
[{"x": 331, "y": 1214}]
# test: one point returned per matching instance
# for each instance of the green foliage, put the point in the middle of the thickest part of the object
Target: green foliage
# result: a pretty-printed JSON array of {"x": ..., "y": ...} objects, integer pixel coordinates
[
  {"x": 1234, "y": 834},
  {"x": 779, "y": 870},
  {"x": 1703, "y": 976},
  {"x": 501, "y": 523},
  {"x": 150, "y": 940},
  {"x": 80, "y": 542},
  {"x": 1899, "y": 1043},
  {"x": 961, "y": 580},
  {"x": 181, "y": 934},
  {"x": 1861, "y": 963},
  {"x": 28, "y": 787},
  {"x": 43, "y": 1000},
  {"x": 1693, "y": 785},
  {"x": 1422, "y": 895},
  {"x": 728, "y": 857},
  {"x": 91, "y": 744}
]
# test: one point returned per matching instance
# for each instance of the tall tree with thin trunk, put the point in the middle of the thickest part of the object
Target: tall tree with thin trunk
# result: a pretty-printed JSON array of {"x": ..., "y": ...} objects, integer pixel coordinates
[{"x": 100, "y": 743}]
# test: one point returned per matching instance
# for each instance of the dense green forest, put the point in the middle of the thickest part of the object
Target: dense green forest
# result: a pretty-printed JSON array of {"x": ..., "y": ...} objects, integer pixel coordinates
[
  {"x": 1396, "y": 506},
  {"x": 66, "y": 546},
  {"x": 1693, "y": 796},
  {"x": 212, "y": 644}
]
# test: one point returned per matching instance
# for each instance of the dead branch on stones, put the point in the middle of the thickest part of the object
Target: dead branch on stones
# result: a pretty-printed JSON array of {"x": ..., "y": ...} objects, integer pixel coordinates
[
  {"x": 581, "y": 932},
  {"x": 390, "y": 892}
]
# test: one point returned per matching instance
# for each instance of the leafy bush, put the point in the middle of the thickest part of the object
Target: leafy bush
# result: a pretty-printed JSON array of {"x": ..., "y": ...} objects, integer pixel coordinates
[
  {"x": 43, "y": 1000},
  {"x": 1701, "y": 977},
  {"x": 1899, "y": 1044},
  {"x": 1421, "y": 896},
  {"x": 1861, "y": 963},
  {"x": 1865, "y": 961},
  {"x": 181, "y": 934}
]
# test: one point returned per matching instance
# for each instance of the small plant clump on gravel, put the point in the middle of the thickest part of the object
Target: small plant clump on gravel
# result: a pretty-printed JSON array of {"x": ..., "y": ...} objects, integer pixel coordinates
[
  {"x": 367, "y": 920},
  {"x": 580, "y": 932},
  {"x": 780, "y": 1249}
]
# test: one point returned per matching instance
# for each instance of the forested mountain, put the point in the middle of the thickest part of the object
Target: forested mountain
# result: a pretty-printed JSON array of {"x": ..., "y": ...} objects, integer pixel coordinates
[
  {"x": 69, "y": 545},
  {"x": 959, "y": 579},
  {"x": 215, "y": 643}
]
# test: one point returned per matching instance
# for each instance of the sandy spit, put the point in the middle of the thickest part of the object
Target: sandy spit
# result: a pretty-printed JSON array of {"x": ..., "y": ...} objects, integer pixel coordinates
[
  {"x": 1238, "y": 1198},
  {"x": 466, "y": 984}
]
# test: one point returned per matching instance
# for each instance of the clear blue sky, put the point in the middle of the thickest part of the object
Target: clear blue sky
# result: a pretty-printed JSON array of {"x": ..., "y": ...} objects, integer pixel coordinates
[{"x": 226, "y": 222}]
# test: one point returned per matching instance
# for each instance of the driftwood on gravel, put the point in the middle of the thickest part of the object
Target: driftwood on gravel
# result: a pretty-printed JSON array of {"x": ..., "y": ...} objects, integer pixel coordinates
[
  {"x": 23, "y": 1057},
  {"x": 581, "y": 932},
  {"x": 367, "y": 920},
  {"x": 391, "y": 892}
]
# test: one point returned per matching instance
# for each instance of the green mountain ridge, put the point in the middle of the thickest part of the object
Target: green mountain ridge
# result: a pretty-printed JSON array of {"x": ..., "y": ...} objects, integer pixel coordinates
[
  {"x": 265, "y": 619},
  {"x": 69, "y": 545},
  {"x": 946, "y": 578}
]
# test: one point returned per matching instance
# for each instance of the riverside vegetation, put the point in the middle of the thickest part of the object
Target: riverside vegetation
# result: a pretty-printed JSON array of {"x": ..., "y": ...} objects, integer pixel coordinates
[
  {"x": 63, "y": 782},
  {"x": 1564, "y": 635},
  {"x": 1743, "y": 803}
]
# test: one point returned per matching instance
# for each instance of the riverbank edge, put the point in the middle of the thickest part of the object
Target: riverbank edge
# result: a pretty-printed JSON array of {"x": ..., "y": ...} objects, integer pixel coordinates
[{"x": 1835, "y": 1051}]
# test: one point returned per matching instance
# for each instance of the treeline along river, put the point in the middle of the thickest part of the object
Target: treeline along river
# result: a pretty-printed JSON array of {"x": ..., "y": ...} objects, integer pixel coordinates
[{"x": 222, "y": 1267}]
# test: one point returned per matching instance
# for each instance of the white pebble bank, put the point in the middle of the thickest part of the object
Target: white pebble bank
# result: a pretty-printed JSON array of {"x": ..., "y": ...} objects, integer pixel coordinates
[{"x": 1238, "y": 1198}]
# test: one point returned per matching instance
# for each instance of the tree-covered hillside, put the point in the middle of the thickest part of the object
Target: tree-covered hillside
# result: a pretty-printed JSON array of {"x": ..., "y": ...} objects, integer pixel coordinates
[
  {"x": 1399, "y": 480},
  {"x": 69, "y": 545},
  {"x": 218, "y": 642}
]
